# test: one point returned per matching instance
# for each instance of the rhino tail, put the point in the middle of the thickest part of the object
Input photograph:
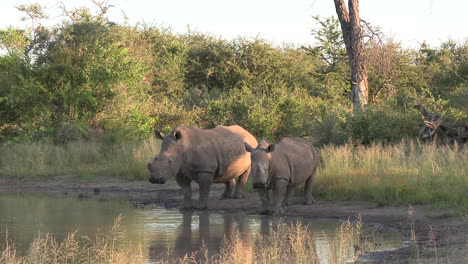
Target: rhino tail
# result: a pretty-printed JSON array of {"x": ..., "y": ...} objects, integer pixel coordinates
[{"x": 319, "y": 162}]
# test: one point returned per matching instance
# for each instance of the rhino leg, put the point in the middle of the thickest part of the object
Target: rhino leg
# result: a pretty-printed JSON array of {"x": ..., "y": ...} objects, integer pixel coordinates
[
  {"x": 265, "y": 199},
  {"x": 184, "y": 183},
  {"x": 229, "y": 192},
  {"x": 204, "y": 182},
  {"x": 279, "y": 191},
  {"x": 241, "y": 181},
  {"x": 289, "y": 195},
  {"x": 204, "y": 227},
  {"x": 308, "y": 190}
]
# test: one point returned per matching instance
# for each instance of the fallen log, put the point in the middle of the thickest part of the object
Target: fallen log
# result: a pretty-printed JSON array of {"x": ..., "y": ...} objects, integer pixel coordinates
[{"x": 452, "y": 133}]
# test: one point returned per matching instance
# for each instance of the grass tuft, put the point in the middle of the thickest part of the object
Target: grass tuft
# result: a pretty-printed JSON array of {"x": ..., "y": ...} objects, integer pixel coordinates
[
  {"x": 85, "y": 159},
  {"x": 409, "y": 172},
  {"x": 287, "y": 243},
  {"x": 73, "y": 249}
]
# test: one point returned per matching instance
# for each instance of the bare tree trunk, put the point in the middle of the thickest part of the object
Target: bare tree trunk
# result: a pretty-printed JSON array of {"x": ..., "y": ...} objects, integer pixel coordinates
[{"x": 351, "y": 27}]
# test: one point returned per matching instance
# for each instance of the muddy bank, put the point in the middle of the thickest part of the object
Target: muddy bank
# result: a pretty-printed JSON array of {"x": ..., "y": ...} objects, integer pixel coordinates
[{"x": 436, "y": 230}]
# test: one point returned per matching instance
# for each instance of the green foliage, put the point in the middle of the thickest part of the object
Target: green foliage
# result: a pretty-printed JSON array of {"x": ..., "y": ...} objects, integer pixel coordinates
[
  {"x": 89, "y": 78},
  {"x": 330, "y": 48},
  {"x": 168, "y": 54},
  {"x": 445, "y": 67},
  {"x": 332, "y": 73},
  {"x": 14, "y": 41},
  {"x": 446, "y": 71},
  {"x": 84, "y": 66},
  {"x": 209, "y": 63},
  {"x": 378, "y": 124},
  {"x": 74, "y": 78},
  {"x": 97, "y": 90},
  {"x": 270, "y": 117},
  {"x": 12, "y": 70},
  {"x": 392, "y": 73}
]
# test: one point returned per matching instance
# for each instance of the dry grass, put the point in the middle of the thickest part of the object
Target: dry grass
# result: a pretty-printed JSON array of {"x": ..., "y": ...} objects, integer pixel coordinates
[
  {"x": 292, "y": 243},
  {"x": 87, "y": 159},
  {"x": 104, "y": 248},
  {"x": 408, "y": 172}
]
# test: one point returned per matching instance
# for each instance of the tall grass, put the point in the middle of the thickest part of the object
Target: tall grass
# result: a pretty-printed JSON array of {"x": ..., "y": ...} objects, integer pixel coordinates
[
  {"x": 73, "y": 249},
  {"x": 291, "y": 243},
  {"x": 408, "y": 172},
  {"x": 287, "y": 244},
  {"x": 86, "y": 159}
]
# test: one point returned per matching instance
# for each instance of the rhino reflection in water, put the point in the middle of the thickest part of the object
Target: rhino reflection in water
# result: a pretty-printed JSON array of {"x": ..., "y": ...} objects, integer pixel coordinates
[
  {"x": 205, "y": 156},
  {"x": 282, "y": 167},
  {"x": 210, "y": 232}
]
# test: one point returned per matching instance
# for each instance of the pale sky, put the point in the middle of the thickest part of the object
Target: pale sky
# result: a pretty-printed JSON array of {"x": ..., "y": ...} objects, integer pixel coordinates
[{"x": 281, "y": 22}]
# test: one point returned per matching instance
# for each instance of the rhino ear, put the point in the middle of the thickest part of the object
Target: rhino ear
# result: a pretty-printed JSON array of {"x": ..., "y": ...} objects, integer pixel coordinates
[
  {"x": 177, "y": 135},
  {"x": 248, "y": 148},
  {"x": 270, "y": 148},
  {"x": 159, "y": 135}
]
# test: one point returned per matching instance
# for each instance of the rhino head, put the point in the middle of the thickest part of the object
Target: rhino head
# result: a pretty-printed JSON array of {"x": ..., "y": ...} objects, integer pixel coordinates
[
  {"x": 168, "y": 163},
  {"x": 260, "y": 157}
]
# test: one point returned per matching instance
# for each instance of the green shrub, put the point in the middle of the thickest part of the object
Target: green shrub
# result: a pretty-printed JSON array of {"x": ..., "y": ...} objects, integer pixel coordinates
[{"x": 90, "y": 77}]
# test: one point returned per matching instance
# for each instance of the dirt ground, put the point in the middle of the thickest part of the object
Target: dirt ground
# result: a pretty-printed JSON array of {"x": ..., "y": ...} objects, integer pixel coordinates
[{"x": 443, "y": 231}]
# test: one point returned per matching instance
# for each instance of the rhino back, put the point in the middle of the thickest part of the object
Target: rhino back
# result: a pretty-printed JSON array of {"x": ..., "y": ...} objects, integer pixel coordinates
[
  {"x": 246, "y": 136},
  {"x": 294, "y": 159},
  {"x": 219, "y": 150}
]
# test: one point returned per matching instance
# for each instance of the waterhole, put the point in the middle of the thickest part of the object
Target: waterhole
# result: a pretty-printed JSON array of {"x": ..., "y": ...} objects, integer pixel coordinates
[{"x": 160, "y": 232}]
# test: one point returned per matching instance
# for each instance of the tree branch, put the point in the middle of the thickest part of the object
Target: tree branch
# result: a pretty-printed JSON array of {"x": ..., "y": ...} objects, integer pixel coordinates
[
  {"x": 341, "y": 11},
  {"x": 103, "y": 5},
  {"x": 74, "y": 15},
  {"x": 372, "y": 31},
  {"x": 343, "y": 16}
]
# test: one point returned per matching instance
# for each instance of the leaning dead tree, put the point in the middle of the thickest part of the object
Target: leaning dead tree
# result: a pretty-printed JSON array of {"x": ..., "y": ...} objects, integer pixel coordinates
[
  {"x": 451, "y": 133},
  {"x": 431, "y": 120},
  {"x": 350, "y": 22},
  {"x": 457, "y": 132}
]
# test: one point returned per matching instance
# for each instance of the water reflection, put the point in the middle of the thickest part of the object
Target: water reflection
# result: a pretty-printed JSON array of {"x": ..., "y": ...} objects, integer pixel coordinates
[
  {"x": 158, "y": 230},
  {"x": 24, "y": 216},
  {"x": 203, "y": 229},
  {"x": 188, "y": 231}
]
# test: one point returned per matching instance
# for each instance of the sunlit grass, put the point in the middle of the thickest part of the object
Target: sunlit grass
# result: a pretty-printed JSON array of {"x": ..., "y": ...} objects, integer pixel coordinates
[
  {"x": 287, "y": 243},
  {"x": 86, "y": 159},
  {"x": 104, "y": 248},
  {"x": 408, "y": 172}
]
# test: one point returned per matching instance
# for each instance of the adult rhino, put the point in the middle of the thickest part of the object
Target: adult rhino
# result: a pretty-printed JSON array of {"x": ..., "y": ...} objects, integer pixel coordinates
[
  {"x": 282, "y": 167},
  {"x": 205, "y": 156}
]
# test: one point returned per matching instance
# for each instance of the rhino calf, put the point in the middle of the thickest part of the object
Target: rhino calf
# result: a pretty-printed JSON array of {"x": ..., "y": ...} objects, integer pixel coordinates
[
  {"x": 282, "y": 167},
  {"x": 205, "y": 156}
]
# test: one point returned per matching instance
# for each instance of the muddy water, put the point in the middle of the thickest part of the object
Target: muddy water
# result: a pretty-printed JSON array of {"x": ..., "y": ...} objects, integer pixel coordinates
[{"x": 158, "y": 230}]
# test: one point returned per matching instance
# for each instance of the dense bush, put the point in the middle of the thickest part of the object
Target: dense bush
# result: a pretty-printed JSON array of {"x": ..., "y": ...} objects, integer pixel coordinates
[{"x": 89, "y": 77}]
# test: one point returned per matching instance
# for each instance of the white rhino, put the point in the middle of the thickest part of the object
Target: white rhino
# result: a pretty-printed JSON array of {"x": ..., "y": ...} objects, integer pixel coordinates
[
  {"x": 282, "y": 167},
  {"x": 205, "y": 156}
]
